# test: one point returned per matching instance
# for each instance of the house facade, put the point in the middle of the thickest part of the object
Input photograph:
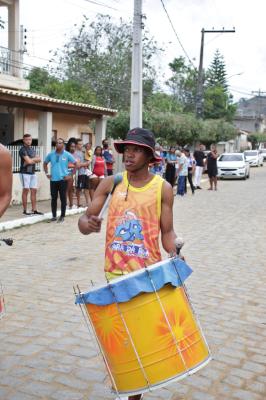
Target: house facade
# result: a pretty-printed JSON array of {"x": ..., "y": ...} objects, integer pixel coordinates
[
  {"x": 251, "y": 115},
  {"x": 43, "y": 117}
]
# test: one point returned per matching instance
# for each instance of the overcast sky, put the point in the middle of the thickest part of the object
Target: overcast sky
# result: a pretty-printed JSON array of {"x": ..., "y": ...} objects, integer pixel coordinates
[{"x": 50, "y": 22}]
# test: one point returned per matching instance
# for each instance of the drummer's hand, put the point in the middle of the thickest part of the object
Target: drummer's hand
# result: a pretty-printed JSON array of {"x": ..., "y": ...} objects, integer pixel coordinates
[
  {"x": 174, "y": 254},
  {"x": 89, "y": 224}
]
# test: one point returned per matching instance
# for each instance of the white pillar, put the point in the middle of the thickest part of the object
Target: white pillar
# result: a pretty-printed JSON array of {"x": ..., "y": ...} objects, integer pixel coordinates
[
  {"x": 14, "y": 38},
  {"x": 100, "y": 130},
  {"x": 45, "y": 131},
  {"x": 18, "y": 123},
  {"x": 136, "y": 78}
]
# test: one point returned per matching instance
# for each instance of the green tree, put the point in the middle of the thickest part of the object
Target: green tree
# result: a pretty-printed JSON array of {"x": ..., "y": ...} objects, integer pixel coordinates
[
  {"x": 39, "y": 78},
  {"x": 162, "y": 102},
  {"x": 218, "y": 102},
  {"x": 216, "y": 73},
  {"x": 216, "y": 130},
  {"x": 182, "y": 83},
  {"x": 99, "y": 58},
  {"x": 118, "y": 126},
  {"x": 173, "y": 128},
  {"x": 43, "y": 82},
  {"x": 256, "y": 139}
]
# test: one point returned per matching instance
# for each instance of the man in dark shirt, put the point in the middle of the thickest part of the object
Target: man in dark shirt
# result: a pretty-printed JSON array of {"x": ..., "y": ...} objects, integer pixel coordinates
[
  {"x": 200, "y": 161},
  {"x": 27, "y": 174}
]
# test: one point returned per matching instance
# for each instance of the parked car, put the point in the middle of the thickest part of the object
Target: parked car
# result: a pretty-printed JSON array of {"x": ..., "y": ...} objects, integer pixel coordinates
[
  {"x": 233, "y": 165},
  {"x": 263, "y": 152},
  {"x": 254, "y": 157}
]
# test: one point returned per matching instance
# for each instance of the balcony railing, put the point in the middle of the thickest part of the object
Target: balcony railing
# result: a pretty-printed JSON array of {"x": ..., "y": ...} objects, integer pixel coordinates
[
  {"x": 14, "y": 150},
  {"x": 5, "y": 61}
]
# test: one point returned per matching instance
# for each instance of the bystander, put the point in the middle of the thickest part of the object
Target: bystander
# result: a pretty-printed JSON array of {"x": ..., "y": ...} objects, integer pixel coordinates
[
  {"x": 28, "y": 176},
  {"x": 59, "y": 160}
]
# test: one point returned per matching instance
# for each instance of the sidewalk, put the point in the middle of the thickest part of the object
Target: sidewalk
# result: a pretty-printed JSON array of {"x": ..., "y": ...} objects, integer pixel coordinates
[{"x": 13, "y": 217}]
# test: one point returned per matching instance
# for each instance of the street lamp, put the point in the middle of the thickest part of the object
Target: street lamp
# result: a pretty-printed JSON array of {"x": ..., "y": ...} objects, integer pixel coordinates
[{"x": 231, "y": 76}]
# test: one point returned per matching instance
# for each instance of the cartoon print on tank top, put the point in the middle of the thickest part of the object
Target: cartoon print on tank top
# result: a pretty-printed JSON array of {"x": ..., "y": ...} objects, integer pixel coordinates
[{"x": 128, "y": 237}]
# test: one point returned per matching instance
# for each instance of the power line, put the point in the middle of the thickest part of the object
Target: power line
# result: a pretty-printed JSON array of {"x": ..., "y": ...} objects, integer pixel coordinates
[
  {"x": 179, "y": 41},
  {"x": 101, "y": 4},
  {"x": 240, "y": 92}
]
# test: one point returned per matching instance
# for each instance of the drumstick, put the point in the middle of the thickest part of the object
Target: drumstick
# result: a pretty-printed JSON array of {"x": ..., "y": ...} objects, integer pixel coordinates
[
  {"x": 179, "y": 243},
  {"x": 117, "y": 179}
]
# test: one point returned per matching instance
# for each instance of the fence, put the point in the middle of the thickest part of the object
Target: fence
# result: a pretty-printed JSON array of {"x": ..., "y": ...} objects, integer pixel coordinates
[
  {"x": 5, "y": 60},
  {"x": 14, "y": 151}
]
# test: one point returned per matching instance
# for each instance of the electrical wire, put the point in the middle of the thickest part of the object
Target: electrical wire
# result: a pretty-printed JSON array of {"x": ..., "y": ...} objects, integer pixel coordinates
[
  {"x": 179, "y": 41},
  {"x": 240, "y": 92},
  {"x": 101, "y": 4}
]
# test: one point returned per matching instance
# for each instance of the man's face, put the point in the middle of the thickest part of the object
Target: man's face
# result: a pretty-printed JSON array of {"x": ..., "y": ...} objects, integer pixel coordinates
[
  {"x": 27, "y": 141},
  {"x": 72, "y": 148},
  {"x": 59, "y": 145},
  {"x": 79, "y": 145},
  {"x": 135, "y": 157}
]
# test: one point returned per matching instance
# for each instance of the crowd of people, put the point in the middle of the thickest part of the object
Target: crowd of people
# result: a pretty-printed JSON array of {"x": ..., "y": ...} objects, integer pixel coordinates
[
  {"x": 74, "y": 169},
  {"x": 179, "y": 166}
]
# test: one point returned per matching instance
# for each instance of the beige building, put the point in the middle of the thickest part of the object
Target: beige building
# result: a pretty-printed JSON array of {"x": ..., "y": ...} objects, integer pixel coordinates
[{"x": 43, "y": 117}]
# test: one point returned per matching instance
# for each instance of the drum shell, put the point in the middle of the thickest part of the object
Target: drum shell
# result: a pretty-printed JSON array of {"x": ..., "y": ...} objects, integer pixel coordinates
[{"x": 161, "y": 328}]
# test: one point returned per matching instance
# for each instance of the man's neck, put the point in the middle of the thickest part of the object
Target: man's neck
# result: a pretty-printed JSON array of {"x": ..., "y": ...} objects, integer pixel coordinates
[{"x": 140, "y": 177}]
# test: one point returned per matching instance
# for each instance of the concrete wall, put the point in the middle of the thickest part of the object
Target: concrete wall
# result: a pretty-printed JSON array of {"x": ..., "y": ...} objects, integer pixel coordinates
[
  {"x": 27, "y": 121},
  {"x": 31, "y": 123},
  {"x": 68, "y": 125}
]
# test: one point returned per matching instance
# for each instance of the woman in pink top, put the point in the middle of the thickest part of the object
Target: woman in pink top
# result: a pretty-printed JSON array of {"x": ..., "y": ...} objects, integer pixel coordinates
[{"x": 98, "y": 168}]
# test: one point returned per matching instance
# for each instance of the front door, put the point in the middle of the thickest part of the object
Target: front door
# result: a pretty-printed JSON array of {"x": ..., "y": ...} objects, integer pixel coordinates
[{"x": 6, "y": 128}]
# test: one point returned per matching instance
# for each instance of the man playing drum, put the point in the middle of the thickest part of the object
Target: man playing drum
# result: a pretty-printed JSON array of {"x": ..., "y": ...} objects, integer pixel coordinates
[{"x": 141, "y": 207}]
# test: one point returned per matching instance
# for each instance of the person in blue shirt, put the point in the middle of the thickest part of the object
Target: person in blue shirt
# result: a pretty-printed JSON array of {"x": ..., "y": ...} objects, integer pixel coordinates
[{"x": 59, "y": 160}]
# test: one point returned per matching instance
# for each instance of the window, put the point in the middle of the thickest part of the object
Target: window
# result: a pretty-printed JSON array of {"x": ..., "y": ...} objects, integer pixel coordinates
[{"x": 86, "y": 137}]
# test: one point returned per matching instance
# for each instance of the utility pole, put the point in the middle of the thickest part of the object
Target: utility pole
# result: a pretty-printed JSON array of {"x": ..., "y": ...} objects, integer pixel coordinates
[
  {"x": 136, "y": 78},
  {"x": 199, "y": 94}
]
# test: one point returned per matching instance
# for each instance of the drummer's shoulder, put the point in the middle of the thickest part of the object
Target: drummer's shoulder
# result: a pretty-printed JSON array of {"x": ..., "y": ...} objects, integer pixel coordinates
[
  {"x": 167, "y": 191},
  {"x": 107, "y": 184}
]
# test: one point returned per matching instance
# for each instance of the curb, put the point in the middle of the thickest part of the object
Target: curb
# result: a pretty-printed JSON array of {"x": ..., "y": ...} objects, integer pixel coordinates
[{"x": 18, "y": 223}]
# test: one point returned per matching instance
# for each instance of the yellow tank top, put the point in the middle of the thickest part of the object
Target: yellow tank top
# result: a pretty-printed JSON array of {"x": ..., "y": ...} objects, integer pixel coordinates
[{"x": 132, "y": 235}]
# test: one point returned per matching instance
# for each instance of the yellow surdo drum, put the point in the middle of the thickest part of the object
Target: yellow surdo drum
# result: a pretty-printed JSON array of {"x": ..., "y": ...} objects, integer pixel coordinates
[{"x": 146, "y": 329}]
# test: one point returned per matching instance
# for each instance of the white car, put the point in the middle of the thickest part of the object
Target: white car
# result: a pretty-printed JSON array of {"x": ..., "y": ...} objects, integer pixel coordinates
[
  {"x": 254, "y": 157},
  {"x": 233, "y": 165},
  {"x": 263, "y": 152}
]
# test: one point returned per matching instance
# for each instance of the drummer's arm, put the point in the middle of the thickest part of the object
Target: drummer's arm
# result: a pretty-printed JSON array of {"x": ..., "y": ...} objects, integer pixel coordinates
[
  {"x": 90, "y": 222},
  {"x": 167, "y": 231}
]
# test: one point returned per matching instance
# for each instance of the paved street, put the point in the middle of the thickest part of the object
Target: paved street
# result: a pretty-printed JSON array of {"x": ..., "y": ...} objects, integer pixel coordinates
[{"x": 46, "y": 352}]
